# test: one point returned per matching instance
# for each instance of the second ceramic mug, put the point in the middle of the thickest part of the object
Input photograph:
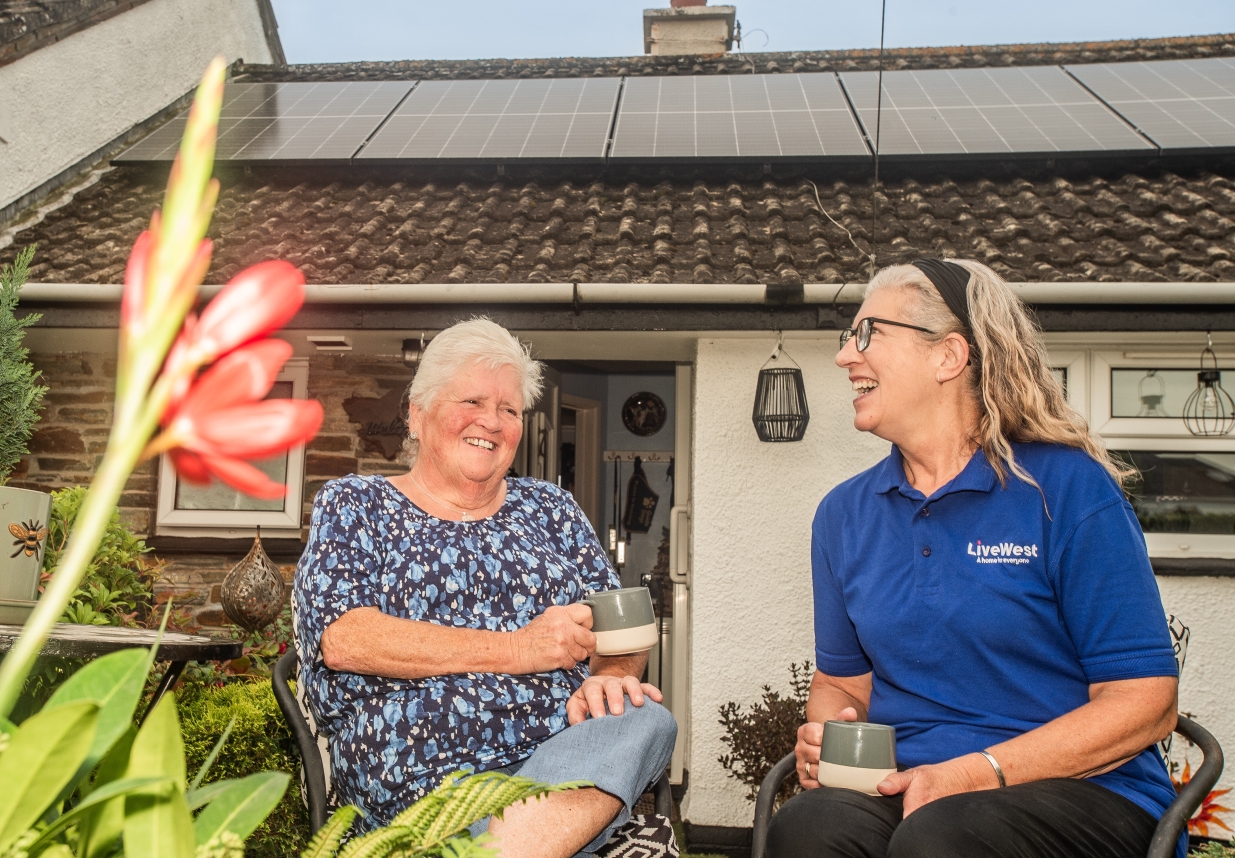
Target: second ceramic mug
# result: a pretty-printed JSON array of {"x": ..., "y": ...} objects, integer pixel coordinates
[
  {"x": 622, "y": 620},
  {"x": 856, "y": 755}
]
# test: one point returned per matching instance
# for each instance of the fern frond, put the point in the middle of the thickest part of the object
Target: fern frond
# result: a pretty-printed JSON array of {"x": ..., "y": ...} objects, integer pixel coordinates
[
  {"x": 326, "y": 842},
  {"x": 376, "y": 844},
  {"x": 488, "y": 794},
  {"x": 468, "y": 847}
]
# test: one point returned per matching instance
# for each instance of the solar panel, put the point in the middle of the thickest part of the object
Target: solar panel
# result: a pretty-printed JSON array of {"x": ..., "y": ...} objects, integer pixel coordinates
[
  {"x": 475, "y": 119},
  {"x": 1019, "y": 111},
  {"x": 741, "y": 116},
  {"x": 1179, "y": 104},
  {"x": 285, "y": 122}
]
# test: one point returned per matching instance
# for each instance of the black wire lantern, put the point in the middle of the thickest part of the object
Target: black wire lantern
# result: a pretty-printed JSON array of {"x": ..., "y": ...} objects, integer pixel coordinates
[
  {"x": 1210, "y": 409},
  {"x": 780, "y": 411}
]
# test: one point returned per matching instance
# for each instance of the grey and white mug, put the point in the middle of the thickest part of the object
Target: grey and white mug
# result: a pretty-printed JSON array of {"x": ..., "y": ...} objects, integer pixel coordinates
[{"x": 623, "y": 620}]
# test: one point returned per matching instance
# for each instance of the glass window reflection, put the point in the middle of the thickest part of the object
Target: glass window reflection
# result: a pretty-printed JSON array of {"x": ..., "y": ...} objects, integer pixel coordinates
[
  {"x": 1182, "y": 492},
  {"x": 1155, "y": 392}
]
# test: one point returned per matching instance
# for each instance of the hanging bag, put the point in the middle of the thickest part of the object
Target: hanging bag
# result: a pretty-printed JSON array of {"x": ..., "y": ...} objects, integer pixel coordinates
[{"x": 640, "y": 501}]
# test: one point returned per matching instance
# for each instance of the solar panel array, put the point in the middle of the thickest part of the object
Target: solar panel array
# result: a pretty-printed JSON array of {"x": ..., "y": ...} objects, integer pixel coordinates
[
  {"x": 1171, "y": 106},
  {"x": 286, "y": 122},
  {"x": 748, "y": 116},
  {"x": 483, "y": 119},
  {"x": 1179, "y": 104},
  {"x": 1015, "y": 111}
]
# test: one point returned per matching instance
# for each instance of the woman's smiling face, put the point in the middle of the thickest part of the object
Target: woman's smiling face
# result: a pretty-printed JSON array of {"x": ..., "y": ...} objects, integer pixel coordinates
[
  {"x": 472, "y": 429},
  {"x": 894, "y": 379}
]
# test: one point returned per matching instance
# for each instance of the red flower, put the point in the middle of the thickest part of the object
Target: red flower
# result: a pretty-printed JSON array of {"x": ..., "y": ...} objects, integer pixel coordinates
[
  {"x": 223, "y": 420},
  {"x": 258, "y": 300}
]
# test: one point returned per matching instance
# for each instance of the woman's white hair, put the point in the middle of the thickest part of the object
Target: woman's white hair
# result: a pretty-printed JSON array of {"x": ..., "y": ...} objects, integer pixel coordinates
[{"x": 476, "y": 341}]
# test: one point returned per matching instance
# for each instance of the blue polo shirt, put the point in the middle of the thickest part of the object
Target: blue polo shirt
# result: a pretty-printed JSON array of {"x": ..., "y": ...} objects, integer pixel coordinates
[{"x": 981, "y": 616}]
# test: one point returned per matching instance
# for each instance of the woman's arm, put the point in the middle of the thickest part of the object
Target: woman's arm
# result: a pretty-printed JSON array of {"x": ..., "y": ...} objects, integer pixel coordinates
[
  {"x": 365, "y": 640},
  {"x": 832, "y": 698},
  {"x": 1121, "y": 719}
]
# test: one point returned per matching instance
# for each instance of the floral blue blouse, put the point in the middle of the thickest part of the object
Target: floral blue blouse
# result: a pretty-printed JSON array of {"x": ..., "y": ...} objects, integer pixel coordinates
[{"x": 393, "y": 740}]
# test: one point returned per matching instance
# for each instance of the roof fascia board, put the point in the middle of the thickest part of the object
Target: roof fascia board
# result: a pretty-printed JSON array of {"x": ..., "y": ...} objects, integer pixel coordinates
[{"x": 568, "y": 294}]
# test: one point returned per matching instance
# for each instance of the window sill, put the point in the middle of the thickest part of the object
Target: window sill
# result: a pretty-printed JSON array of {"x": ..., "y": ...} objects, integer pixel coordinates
[
  {"x": 1194, "y": 567},
  {"x": 285, "y": 549}
]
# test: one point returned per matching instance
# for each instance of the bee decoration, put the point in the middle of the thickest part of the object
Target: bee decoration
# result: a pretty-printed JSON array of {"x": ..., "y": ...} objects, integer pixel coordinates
[{"x": 29, "y": 538}]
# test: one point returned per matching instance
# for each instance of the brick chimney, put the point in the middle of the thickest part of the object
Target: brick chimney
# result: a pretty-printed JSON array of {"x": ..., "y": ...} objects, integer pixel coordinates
[{"x": 688, "y": 27}]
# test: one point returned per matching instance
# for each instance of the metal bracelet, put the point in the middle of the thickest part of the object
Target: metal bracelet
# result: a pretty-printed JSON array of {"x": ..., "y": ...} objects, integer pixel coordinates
[{"x": 995, "y": 765}]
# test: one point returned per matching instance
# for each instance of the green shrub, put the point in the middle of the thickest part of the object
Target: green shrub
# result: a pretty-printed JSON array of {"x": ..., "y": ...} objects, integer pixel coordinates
[
  {"x": 260, "y": 741},
  {"x": 1214, "y": 849},
  {"x": 760, "y": 738},
  {"x": 21, "y": 396}
]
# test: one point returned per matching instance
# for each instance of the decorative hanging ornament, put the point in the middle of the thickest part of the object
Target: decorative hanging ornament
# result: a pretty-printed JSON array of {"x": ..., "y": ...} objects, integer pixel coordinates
[
  {"x": 780, "y": 412},
  {"x": 1210, "y": 409},
  {"x": 252, "y": 593},
  {"x": 1151, "y": 391}
]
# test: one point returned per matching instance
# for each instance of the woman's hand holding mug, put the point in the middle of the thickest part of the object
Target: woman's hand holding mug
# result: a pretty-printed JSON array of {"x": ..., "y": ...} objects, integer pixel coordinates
[
  {"x": 558, "y": 639},
  {"x": 810, "y": 745}
]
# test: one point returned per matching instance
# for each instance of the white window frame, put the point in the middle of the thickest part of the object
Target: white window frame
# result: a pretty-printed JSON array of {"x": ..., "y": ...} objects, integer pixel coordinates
[
  {"x": 1089, "y": 368},
  {"x": 170, "y": 521}
]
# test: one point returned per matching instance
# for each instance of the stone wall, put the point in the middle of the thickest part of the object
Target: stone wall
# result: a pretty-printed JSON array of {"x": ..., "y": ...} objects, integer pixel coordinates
[{"x": 72, "y": 434}]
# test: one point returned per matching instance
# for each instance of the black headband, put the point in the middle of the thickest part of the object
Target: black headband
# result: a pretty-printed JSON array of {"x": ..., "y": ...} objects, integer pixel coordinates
[{"x": 952, "y": 282}]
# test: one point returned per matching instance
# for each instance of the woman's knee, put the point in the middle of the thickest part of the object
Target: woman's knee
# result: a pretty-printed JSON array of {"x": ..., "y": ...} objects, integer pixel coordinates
[
  {"x": 825, "y": 822},
  {"x": 941, "y": 829}
]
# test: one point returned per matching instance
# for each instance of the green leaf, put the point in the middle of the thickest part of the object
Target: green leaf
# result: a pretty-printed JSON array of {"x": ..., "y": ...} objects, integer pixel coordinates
[
  {"x": 59, "y": 850},
  {"x": 157, "y": 824},
  {"x": 115, "y": 682},
  {"x": 242, "y": 807},
  {"x": 377, "y": 844},
  {"x": 208, "y": 793},
  {"x": 326, "y": 842},
  {"x": 122, "y": 787},
  {"x": 42, "y": 757},
  {"x": 159, "y": 749},
  {"x": 101, "y": 826},
  {"x": 213, "y": 755}
]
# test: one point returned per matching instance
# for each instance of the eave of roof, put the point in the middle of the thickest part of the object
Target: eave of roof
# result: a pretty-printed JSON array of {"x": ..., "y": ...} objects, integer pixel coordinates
[{"x": 978, "y": 56}]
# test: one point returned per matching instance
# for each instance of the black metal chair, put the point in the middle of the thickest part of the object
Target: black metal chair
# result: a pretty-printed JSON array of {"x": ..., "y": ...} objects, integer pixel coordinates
[
  {"x": 1165, "y": 837},
  {"x": 317, "y": 794}
]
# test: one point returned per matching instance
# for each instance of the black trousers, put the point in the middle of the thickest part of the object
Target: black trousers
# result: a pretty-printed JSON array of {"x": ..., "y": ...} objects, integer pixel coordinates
[{"x": 1044, "y": 819}]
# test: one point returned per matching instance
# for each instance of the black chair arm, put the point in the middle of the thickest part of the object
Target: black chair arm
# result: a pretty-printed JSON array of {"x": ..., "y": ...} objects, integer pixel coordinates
[
  {"x": 663, "y": 793},
  {"x": 285, "y": 669},
  {"x": 765, "y": 801},
  {"x": 1176, "y": 817}
]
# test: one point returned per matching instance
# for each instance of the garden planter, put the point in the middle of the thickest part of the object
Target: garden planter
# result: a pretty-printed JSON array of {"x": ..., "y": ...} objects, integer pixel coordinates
[{"x": 23, "y": 515}]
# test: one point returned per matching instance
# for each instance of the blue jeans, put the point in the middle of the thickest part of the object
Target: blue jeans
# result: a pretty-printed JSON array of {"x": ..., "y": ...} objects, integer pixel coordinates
[{"x": 620, "y": 754}]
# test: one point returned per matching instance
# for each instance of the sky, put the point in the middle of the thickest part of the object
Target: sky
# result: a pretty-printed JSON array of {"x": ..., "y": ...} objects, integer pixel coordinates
[{"x": 316, "y": 31}]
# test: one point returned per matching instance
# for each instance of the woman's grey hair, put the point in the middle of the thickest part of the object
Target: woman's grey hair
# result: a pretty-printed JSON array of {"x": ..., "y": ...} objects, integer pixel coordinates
[{"x": 461, "y": 345}]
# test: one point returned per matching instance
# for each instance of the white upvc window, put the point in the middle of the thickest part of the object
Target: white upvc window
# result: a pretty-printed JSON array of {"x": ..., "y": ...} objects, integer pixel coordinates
[
  {"x": 217, "y": 510},
  {"x": 1132, "y": 391}
]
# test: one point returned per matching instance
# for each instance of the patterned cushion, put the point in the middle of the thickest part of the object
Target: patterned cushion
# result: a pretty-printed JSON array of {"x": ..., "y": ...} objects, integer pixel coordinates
[
  {"x": 1179, "y": 640},
  {"x": 643, "y": 836}
]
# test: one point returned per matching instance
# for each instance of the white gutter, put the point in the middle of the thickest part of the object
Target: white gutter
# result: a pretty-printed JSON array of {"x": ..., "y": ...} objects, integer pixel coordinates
[{"x": 660, "y": 293}]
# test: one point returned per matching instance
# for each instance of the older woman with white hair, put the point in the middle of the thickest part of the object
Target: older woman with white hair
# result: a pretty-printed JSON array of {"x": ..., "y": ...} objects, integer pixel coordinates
[
  {"x": 439, "y": 626},
  {"x": 985, "y": 590}
]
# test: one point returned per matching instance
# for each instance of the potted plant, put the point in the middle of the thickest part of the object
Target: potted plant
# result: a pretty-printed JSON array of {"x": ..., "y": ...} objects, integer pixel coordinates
[{"x": 23, "y": 513}]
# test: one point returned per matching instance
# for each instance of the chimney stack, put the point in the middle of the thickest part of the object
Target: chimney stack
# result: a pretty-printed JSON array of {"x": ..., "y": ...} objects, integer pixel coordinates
[{"x": 688, "y": 27}]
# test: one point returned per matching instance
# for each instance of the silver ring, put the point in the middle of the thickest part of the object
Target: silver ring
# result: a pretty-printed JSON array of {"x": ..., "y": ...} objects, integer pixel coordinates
[{"x": 807, "y": 767}]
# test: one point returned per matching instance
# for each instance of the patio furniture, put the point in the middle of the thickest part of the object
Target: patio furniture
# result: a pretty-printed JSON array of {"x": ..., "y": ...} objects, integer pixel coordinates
[
  {"x": 68, "y": 640},
  {"x": 315, "y": 755}
]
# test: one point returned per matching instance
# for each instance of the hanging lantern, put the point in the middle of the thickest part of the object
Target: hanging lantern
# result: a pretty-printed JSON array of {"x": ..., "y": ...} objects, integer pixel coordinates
[
  {"x": 252, "y": 593},
  {"x": 780, "y": 412},
  {"x": 1151, "y": 391},
  {"x": 1210, "y": 409}
]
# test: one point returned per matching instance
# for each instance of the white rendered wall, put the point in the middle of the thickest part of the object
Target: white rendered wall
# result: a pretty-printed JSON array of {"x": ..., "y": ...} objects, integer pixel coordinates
[
  {"x": 751, "y": 611},
  {"x": 70, "y": 98},
  {"x": 1207, "y": 687}
]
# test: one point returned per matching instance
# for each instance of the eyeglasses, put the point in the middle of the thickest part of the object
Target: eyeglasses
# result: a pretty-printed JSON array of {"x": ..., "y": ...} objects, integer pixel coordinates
[{"x": 866, "y": 325}]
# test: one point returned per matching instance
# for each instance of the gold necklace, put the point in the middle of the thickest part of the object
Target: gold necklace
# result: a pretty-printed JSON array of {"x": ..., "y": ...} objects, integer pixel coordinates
[{"x": 465, "y": 515}]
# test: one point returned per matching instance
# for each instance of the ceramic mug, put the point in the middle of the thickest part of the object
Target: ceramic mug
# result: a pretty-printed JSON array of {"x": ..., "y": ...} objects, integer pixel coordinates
[
  {"x": 856, "y": 755},
  {"x": 623, "y": 620}
]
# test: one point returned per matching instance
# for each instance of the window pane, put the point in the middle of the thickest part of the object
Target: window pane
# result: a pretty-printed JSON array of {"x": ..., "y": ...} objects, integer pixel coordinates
[
  {"x": 1061, "y": 376},
  {"x": 1155, "y": 392},
  {"x": 220, "y": 496},
  {"x": 1183, "y": 492}
]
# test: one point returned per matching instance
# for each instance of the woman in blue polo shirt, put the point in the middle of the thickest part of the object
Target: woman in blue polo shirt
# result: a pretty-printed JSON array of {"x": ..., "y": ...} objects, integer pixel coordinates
[{"x": 984, "y": 589}]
